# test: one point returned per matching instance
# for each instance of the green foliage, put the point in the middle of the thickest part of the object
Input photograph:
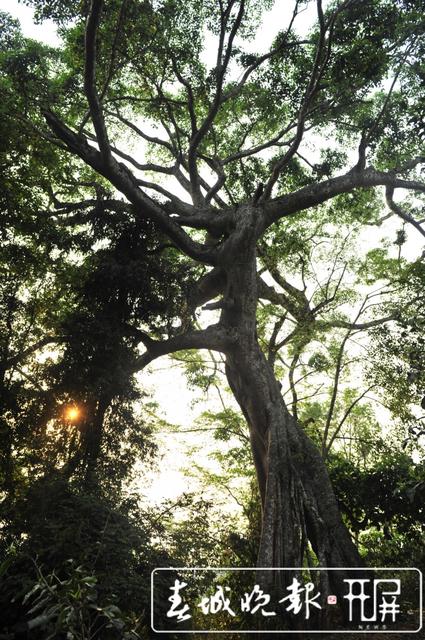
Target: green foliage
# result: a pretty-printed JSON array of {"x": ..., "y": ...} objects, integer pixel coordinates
[
  {"x": 109, "y": 536},
  {"x": 397, "y": 364},
  {"x": 386, "y": 494},
  {"x": 70, "y": 605}
]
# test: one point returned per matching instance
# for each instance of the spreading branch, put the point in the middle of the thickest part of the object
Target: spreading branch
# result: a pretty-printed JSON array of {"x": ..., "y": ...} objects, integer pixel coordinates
[
  {"x": 29, "y": 351},
  {"x": 214, "y": 337},
  {"x": 315, "y": 194},
  {"x": 122, "y": 178},
  {"x": 95, "y": 107},
  {"x": 395, "y": 208}
]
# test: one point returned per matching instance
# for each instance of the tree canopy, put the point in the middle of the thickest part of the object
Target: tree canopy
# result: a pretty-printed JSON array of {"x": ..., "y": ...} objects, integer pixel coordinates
[{"x": 173, "y": 183}]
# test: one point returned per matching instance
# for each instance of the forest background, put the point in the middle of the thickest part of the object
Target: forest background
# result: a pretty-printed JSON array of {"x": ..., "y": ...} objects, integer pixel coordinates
[{"x": 113, "y": 464}]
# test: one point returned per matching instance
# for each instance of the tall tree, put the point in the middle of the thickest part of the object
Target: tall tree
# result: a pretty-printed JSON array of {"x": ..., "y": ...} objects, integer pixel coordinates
[{"x": 218, "y": 160}]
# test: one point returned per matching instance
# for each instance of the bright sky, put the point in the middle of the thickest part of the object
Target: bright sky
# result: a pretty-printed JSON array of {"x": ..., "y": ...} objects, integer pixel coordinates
[
  {"x": 279, "y": 15},
  {"x": 45, "y": 32}
]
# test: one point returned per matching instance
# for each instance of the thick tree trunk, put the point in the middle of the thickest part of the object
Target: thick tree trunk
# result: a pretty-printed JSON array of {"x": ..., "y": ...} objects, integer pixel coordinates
[{"x": 299, "y": 506}]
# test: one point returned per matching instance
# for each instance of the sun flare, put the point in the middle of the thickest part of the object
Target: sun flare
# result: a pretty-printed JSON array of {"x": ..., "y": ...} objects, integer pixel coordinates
[{"x": 72, "y": 413}]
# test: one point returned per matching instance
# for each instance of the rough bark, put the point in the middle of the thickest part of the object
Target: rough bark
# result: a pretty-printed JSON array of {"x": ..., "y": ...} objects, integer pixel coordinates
[{"x": 299, "y": 505}]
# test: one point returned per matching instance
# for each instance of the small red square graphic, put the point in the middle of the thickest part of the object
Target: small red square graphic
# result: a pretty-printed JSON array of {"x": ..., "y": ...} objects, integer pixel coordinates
[{"x": 331, "y": 599}]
